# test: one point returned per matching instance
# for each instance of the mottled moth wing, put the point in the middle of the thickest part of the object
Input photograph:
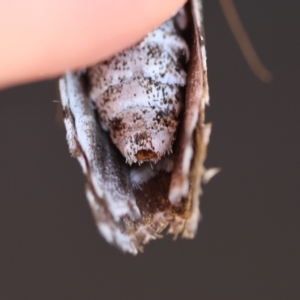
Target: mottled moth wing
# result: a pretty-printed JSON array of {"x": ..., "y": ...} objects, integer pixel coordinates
[
  {"x": 129, "y": 217},
  {"x": 189, "y": 167}
]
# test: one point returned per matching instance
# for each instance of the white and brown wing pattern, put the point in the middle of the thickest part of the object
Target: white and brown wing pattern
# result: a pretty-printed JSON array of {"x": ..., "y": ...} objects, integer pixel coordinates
[
  {"x": 139, "y": 96},
  {"x": 136, "y": 125}
]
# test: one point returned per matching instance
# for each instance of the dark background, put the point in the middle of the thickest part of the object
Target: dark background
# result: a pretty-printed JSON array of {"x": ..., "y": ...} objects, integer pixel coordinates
[{"x": 247, "y": 246}]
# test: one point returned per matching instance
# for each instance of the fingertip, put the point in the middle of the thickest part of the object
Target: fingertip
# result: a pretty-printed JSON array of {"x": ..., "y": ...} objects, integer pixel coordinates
[{"x": 65, "y": 35}]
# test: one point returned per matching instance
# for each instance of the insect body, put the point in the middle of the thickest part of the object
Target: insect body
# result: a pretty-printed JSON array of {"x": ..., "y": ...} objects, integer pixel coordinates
[
  {"x": 139, "y": 94},
  {"x": 140, "y": 97}
]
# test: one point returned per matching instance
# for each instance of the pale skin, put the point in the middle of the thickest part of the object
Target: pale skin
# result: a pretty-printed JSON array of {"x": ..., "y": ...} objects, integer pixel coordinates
[{"x": 42, "y": 39}]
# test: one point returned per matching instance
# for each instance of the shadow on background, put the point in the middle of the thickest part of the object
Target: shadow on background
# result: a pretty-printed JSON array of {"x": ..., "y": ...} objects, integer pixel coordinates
[{"x": 247, "y": 246}]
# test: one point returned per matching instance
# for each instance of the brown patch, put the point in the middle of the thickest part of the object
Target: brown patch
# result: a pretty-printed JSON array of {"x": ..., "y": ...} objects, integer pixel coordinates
[
  {"x": 117, "y": 124},
  {"x": 66, "y": 113},
  {"x": 143, "y": 155}
]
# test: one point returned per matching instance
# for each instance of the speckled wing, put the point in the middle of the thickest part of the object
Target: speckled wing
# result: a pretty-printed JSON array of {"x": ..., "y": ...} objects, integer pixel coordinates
[{"x": 139, "y": 93}]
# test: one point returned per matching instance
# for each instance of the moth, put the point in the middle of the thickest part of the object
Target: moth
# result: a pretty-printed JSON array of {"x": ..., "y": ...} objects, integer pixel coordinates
[{"x": 136, "y": 125}]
